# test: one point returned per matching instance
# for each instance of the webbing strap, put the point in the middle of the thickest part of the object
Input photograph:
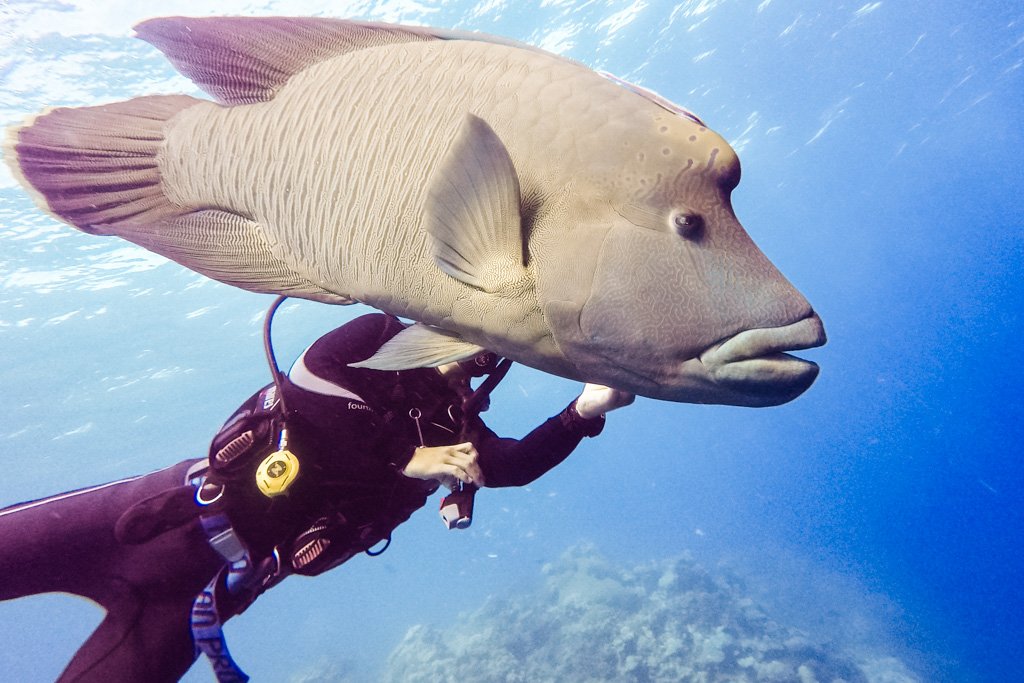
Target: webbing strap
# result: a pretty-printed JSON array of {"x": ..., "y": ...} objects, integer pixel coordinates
[
  {"x": 208, "y": 636},
  {"x": 207, "y": 633}
]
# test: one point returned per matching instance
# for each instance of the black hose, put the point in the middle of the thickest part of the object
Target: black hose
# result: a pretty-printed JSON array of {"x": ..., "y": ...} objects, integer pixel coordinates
[{"x": 268, "y": 347}]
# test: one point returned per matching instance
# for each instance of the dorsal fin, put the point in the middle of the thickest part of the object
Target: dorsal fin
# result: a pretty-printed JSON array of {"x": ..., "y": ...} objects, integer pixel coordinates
[{"x": 241, "y": 60}]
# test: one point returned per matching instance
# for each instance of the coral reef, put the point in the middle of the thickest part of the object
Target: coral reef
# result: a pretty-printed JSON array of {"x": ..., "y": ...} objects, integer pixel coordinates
[{"x": 593, "y": 621}]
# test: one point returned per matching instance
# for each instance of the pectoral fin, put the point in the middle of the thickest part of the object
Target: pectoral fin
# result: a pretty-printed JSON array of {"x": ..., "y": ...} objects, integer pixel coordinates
[
  {"x": 472, "y": 211},
  {"x": 420, "y": 346}
]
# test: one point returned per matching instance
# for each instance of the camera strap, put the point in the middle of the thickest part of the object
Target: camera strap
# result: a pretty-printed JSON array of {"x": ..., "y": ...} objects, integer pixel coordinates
[
  {"x": 473, "y": 404},
  {"x": 457, "y": 506}
]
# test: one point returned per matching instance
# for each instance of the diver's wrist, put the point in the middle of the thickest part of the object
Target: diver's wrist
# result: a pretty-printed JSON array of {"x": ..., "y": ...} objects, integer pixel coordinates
[{"x": 577, "y": 423}]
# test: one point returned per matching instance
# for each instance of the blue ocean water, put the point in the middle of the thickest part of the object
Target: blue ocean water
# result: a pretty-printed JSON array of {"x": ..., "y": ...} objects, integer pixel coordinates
[{"x": 880, "y": 512}]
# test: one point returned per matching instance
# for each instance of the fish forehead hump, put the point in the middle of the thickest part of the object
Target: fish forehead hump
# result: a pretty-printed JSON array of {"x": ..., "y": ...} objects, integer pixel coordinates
[{"x": 338, "y": 163}]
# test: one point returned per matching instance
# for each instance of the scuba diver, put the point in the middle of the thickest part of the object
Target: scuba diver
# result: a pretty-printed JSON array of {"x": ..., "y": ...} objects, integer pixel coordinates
[{"x": 319, "y": 466}]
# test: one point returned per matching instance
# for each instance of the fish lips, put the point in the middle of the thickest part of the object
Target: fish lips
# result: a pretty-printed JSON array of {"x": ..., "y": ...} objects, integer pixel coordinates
[
  {"x": 754, "y": 366},
  {"x": 749, "y": 368}
]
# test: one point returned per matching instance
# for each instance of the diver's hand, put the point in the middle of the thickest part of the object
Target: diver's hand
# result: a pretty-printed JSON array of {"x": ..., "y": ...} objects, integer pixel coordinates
[
  {"x": 446, "y": 464},
  {"x": 596, "y": 400}
]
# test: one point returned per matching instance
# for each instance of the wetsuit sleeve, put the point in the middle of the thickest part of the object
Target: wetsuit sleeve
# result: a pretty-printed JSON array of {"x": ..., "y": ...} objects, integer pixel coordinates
[
  {"x": 328, "y": 358},
  {"x": 512, "y": 462},
  {"x": 340, "y": 405},
  {"x": 340, "y": 412}
]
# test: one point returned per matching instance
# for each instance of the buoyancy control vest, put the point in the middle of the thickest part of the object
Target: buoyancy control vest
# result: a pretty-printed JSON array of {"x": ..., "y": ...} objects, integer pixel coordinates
[{"x": 243, "y": 452}]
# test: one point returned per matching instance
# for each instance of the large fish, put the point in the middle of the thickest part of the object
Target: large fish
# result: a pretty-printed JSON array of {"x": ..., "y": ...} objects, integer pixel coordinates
[{"x": 503, "y": 197}]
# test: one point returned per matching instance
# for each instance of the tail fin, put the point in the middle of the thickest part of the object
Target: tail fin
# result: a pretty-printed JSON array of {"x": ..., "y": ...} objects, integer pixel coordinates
[
  {"x": 93, "y": 166},
  {"x": 97, "y": 169}
]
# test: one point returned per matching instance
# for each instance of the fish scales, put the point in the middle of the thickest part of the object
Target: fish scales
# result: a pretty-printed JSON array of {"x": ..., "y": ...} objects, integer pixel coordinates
[
  {"x": 504, "y": 197},
  {"x": 338, "y": 130}
]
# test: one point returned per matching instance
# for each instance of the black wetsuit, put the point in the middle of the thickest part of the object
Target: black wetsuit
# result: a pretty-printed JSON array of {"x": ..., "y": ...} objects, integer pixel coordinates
[{"x": 137, "y": 546}]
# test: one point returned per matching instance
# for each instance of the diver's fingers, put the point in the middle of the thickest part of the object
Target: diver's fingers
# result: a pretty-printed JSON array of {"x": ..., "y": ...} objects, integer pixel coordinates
[
  {"x": 467, "y": 470},
  {"x": 468, "y": 456},
  {"x": 429, "y": 462},
  {"x": 597, "y": 399},
  {"x": 468, "y": 462},
  {"x": 477, "y": 475},
  {"x": 474, "y": 475},
  {"x": 619, "y": 399},
  {"x": 455, "y": 472},
  {"x": 446, "y": 464}
]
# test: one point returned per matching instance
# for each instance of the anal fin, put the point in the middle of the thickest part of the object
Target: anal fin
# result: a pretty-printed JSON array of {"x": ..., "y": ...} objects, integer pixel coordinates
[{"x": 226, "y": 247}]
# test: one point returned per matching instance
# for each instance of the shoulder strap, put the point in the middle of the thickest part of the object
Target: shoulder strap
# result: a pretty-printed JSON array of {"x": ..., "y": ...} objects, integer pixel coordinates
[{"x": 250, "y": 427}]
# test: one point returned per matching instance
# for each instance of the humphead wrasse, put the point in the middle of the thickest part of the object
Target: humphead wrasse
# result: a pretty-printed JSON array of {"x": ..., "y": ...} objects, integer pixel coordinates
[{"x": 503, "y": 197}]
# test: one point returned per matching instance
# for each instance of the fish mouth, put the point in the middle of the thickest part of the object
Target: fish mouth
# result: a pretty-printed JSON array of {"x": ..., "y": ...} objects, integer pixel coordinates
[{"x": 755, "y": 364}]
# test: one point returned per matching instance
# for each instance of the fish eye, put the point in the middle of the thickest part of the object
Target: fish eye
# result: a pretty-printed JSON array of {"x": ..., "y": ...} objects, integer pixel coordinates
[{"x": 687, "y": 224}]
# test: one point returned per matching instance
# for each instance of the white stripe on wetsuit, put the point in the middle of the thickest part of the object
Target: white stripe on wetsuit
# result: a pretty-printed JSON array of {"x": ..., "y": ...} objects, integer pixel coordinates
[
  {"x": 72, "y": 494},
  {"x": 302, "y": 377}
]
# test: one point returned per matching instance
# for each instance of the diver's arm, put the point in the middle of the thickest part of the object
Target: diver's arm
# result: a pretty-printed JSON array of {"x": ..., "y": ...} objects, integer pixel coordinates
[
  {"x": 511, "y": 462},
  {"x": 328, "y": 358}
]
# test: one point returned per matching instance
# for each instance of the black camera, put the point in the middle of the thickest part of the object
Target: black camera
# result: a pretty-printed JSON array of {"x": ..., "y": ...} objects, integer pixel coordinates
[
  {"x": 457, "y": 507},
  {"x": 480, "y": 365}
]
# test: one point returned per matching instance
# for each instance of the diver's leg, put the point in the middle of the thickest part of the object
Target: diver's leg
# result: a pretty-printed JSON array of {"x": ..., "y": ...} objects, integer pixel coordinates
[
  {"x": 47, "y": 545},
  {"x": 66, "y": 542},
  {"x": 139, "y": 640}
]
